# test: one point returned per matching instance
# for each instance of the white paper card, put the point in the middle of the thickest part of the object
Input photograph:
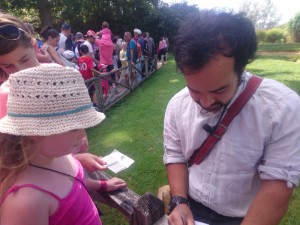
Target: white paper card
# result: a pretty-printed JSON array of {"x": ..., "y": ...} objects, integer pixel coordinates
[
  {"x": 200, "y": 223},
  {"x": 116, "y": 161}
]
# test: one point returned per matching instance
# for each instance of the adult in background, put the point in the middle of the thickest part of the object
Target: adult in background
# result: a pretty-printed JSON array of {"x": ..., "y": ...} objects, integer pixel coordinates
[
  {"x": 151, "y": 45},
  {"x": 131, "y": 52},
  {"x": 65, "y": 41},
  {"x": 249, "y": 175},
  {"x": 78, "y": 41},
  {"x": 106, "y": 50},
  {"x": 90, "y": 42},
  {"x": 140, "y": 43},
  {"x": 139, "y": 40},
  {"x": 115, "y": 57},
  {"x": 51, "y": 38},
  {"x": 162, "y": 49}
]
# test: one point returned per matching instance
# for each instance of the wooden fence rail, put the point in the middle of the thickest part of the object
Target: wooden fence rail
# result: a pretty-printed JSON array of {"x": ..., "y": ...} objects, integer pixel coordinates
[
  {"x": 139, "y": 210},
  {"x": 144, "y": 68}
]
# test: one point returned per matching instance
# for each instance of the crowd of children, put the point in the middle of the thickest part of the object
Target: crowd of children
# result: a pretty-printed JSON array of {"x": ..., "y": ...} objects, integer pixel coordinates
[{"x": 96, "y": 51}]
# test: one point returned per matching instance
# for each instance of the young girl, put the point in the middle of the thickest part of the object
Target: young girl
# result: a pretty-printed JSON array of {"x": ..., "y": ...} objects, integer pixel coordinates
[{"x": 41, "y": 182}]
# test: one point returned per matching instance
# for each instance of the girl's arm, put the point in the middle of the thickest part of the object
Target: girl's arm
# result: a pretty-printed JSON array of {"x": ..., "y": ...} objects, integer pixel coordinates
[
  {"x": 26, "y": 207},
  {"x": 112, "y": 185},
  {"x": 43, "y": 56}
]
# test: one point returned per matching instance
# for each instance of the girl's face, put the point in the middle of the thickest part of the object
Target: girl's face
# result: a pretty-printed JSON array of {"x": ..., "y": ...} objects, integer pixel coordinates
[
  {"x": 53, "y": 41},
  {"x": 57, "y": 145},
  {"x": 19, "y": 59}
]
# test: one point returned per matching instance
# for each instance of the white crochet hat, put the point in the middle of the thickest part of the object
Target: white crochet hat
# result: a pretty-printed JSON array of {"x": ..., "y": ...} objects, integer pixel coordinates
[
  {"x": 138, "y": 31},
  {"x": 48, "y": 99}
]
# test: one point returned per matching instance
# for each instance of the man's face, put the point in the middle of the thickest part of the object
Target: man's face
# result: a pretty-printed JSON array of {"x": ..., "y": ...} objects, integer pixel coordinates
[
  {"x": 214, "y": 85},
  {"x": 91, "y": 39},
  {"x": 126, "y": 37},
  {"x": 67, "y": 32}
]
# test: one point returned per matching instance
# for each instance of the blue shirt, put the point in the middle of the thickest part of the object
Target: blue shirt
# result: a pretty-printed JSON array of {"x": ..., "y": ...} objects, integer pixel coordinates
[{"x": 131, "y": 45}]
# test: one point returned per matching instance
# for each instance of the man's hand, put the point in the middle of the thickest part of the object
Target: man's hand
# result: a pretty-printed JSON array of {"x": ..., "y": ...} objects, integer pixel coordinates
[
  {"x": 91, "y": 162},
  {"x": 181, "y": 215}
]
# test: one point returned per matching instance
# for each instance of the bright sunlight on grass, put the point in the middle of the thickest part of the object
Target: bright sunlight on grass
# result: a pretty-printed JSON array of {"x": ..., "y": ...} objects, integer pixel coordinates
[{"x": 135, "y": 127}]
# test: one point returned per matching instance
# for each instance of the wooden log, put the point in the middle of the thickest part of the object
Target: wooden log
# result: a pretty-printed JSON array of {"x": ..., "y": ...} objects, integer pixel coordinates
[{"x": 139, "y": 210}]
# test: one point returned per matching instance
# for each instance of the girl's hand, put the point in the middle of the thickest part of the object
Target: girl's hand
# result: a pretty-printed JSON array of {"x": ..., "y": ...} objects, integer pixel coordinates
[
  {"x": 115, "y": 183},
  {"x": 91, "y": 162}
]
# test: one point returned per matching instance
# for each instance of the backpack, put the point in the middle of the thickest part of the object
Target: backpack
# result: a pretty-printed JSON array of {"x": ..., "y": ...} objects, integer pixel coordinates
[{"x": 139, "y": 50}]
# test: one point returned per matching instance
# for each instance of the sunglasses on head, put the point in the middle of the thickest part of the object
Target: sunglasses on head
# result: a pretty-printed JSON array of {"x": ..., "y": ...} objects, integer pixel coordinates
[{"x": 11, "y": 32}]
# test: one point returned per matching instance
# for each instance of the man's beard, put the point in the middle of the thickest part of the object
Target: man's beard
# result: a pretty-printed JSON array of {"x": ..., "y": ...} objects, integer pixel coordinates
[{"x": 212, "y": 108}]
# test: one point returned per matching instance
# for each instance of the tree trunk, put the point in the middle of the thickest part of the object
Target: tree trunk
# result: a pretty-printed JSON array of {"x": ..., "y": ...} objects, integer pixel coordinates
[{"x": 45, "y": 13}]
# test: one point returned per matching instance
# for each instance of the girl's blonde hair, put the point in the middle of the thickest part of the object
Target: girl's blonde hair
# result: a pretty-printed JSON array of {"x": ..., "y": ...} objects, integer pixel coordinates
[
  {"x": 25, "y": 40},
  {"x": 15, "y": 153}
]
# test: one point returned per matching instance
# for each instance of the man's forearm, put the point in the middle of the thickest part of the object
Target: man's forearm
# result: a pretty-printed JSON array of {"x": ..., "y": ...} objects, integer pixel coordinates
[
  {"x": 178, "y": 178},
  {"x": 270, "y": 204}
]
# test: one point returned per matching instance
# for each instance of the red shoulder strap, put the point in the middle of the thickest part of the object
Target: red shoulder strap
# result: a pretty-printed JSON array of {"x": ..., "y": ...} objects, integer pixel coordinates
[{"x": 200, "y": 153}]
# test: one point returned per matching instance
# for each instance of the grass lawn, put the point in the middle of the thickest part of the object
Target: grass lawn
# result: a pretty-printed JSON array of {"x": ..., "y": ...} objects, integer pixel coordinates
[
  {"x": 279, "y": 47},
  {"x": 135, "y": 127}
]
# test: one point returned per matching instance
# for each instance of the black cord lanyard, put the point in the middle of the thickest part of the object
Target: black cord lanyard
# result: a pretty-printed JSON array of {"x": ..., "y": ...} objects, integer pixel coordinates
[
  {"x": 210, "y": 129},
  {"x": 59, "y": 172}
]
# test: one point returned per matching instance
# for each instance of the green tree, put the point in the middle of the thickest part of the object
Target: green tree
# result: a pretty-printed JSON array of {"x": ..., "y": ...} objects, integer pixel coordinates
[
  {"x": 263, "y": 14},
  {"x": 294, "y": 27},
  {"x": 275, "y": 35},
  {"x": 22, "y": 8},
  {"x": 170, "y": 17},
  {"x": 153, "y": 16}
]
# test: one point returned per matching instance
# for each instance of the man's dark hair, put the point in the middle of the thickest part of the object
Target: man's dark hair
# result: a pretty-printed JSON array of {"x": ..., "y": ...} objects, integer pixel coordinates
[{"x": 207, "y": 33}]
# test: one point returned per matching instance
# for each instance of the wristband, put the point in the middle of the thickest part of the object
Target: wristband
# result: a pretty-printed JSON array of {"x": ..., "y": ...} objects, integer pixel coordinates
[
  {"x": 176, "y": 200},
  {"x": 103, "y": 186}
]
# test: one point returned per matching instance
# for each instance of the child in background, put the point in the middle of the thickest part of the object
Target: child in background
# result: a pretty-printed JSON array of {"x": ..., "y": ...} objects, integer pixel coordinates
[
  {"x": 71, "y": 57},
  {"x": 41, "y": 182},
  {"x": 85, "y": 64},
  {"x": 123, "y": 59},
  {"x": 105, "y": 32},
  {"x": 104, "y": 83}
]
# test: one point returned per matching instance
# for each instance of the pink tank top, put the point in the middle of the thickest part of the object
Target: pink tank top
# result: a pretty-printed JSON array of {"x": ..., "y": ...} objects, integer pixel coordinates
[
  {"x": 77, "y": 208},
  {"x": 4, "y": 89}
]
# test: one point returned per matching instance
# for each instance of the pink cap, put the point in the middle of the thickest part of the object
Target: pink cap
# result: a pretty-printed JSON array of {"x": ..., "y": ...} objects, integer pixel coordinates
[{"x": 91, "y": 33}]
